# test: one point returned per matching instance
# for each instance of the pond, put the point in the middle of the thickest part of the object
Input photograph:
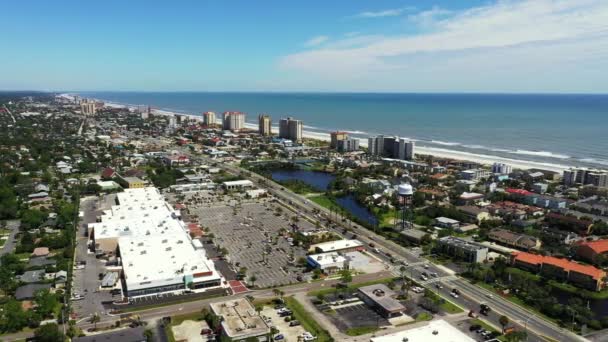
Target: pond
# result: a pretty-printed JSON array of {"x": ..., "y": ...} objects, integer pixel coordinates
[
  {"x": 350, "y": 204},
  {"x": 318, "y": 180}
]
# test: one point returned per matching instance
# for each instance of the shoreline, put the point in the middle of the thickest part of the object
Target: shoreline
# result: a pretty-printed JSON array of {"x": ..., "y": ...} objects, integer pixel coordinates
[
  {"x": 451, "y": 154},
  {"x": 434, "y": 151}
]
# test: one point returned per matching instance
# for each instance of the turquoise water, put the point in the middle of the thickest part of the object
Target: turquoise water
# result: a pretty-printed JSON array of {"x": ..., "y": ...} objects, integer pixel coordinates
[{"x": 561, "y": 129}]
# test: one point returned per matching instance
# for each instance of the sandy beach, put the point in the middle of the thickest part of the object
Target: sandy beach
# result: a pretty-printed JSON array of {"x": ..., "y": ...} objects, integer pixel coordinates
[{"x": 438, "y": 152}]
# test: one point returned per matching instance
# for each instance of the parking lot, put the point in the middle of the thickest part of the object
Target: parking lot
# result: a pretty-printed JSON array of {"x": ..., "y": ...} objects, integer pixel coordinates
[
  {"x": 272, "y": 318},
  {"x": 255, "y": 238},
  {"x": 477, "y": 334},
  {"x": 86, "y": 282},
  {"x": 357, "y": 315}
]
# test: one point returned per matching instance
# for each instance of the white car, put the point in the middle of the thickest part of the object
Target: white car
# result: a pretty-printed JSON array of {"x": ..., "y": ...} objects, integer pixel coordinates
[
  {"x": 308, "y": 336},
  {"x": 453, "y": 294}
]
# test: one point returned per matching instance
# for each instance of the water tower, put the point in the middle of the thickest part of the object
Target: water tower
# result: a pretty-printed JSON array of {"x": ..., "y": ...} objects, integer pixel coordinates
[{"x": 405, "y": 192}]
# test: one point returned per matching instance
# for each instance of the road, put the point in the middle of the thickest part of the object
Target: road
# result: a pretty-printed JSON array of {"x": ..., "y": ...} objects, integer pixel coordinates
[
  {"x": 10, "y": 113},
  {"x": 10, "y": 244},
  {"x": 519, "y": 316}
]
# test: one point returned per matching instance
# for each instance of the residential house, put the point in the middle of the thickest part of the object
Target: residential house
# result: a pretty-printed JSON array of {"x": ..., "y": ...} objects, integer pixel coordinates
[{"x": 512, "y": 239}]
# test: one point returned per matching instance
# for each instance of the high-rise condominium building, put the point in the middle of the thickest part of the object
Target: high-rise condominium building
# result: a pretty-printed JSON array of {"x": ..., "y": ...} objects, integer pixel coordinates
[
  {"x": 233, "y": 121},
  {"x": 265, "y": 124},
  {"x": 391, "y": 147},
  {"x": 291, "y": 129},
  {"x": 88, "y": 107},
  {"x": 335, "y": 137},
  {"x": 502, "y": 168},
  {"x": 585, "y": 176},
  {"x": 209, "y": 119}
]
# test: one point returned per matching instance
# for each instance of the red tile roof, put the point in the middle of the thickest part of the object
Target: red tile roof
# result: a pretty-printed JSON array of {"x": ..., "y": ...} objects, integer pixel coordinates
[
  {"x": 598, "y": 246},
  {"x": 519, "y": 192},
  {"x": 564, "y": 264}
]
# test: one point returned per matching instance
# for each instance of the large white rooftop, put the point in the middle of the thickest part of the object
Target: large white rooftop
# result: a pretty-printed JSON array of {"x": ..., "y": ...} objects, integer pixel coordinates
[
  {"x": 435, "y": 331},
  {"x": 163, "y": 261},
  {"x": 326, "y": 259},
  {"x": 337, "y": 245}
]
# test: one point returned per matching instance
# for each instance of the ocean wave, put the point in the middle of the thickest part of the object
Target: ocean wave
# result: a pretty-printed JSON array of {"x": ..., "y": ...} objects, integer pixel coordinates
[
  {"x": 480, "y": 147},
  {"x": 446, "y": 143},
  {"x": 594, "y": 161},
  {"x": 542, "y": 154}
]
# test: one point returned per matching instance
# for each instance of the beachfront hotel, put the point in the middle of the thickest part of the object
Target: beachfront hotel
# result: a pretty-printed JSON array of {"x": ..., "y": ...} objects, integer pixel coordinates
[
  {"x": 290, "y": 128},
  {"x": 265, "y": 125},
  {"x": 391, "y": 147},
  {"x": 233, "y": 121},
  {"x": 209, "y": 119}
]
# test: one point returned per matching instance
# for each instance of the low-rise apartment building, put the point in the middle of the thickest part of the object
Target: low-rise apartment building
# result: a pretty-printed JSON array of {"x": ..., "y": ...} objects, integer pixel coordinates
[
  {"x": 511, "y": 239},
  {"x": 462, "y": 249},
  {"x": 584, "y": 276}
]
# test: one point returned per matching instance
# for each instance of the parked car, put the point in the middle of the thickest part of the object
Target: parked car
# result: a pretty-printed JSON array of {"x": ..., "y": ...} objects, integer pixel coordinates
[
  {"x": 294, "y": 323},
  {"x": 279, "y": 337}
]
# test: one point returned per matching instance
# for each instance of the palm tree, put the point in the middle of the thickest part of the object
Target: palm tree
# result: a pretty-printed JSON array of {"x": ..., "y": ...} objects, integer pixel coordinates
[
  {"x": 95, "y": 319},
  {"x": 503, "y": 320},
  {"x": 252, "y": 279}
]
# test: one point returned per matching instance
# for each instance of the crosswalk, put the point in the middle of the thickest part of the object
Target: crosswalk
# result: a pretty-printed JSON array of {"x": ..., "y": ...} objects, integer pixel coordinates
[{"x": 438, "y": 279}]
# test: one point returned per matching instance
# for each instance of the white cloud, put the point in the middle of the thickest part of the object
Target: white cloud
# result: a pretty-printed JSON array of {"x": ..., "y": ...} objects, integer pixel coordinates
[
  {"x": 394, "y": 12},
  {"x": 315, "y": 41},
  {"x": 521, "y": 36}
]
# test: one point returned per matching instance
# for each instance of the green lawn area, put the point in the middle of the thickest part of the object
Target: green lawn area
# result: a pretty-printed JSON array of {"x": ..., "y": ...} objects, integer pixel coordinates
[
  {"x": 424, "y": 316},
  {"x": 361, "y": 330},
  {"x": 323, "y": 201},
  {"x": 2, "y": 242},
  {"x": 307, "y": 320},
  {"x": 450, "y": 307},
  {"x": 351, "y": 287}
]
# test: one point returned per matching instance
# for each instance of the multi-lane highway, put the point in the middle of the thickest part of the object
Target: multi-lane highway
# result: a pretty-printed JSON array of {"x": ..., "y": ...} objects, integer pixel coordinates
[{"x": 472, "y": 295}]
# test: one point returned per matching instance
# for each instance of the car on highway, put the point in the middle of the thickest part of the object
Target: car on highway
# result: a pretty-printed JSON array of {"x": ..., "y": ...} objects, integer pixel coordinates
[
  {"x": 453, "y": 294},
  {"x": 426, "y": 266},
  {"x": 423, "y": 277},
  {"x": 439, "y": 286},
  {"x": 404, "y": 263}
]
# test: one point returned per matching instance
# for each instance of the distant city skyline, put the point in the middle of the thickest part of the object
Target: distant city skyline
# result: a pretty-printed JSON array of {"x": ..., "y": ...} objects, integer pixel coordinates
[{"x": 448, "y": 46}]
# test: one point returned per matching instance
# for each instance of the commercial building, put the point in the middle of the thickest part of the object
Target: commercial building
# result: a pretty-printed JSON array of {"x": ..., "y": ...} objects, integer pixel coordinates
[
  {"x": 154, "y": 245},
  {"x": 292, "y": 129},
  {"x": 462, "y": 249},
  {"x": 591, "y": 250},
  {"x": 240, "y": 321},
  {"x": 584, "y": 276},
  {"x": 335, "y": 137},
  {"x": 156, "y": 264},
  {"x": 501, "y": 168},
  {"x": 434, "y": 331},
  {"x": 238, "y": 184},
  {"x": 132, "y": 182},
  {"x": 391, "y": 147},
  {"x": 233, "y": 121},
  {"x": 474, "y": 174},
  {"x": 209, "y": 119},
  {"x": 329, "y": 263},
  {"x": 265, "y": 125},
  {"x": 338, "y": 246},
  {"x": 381, "y": 298},
  {"x": 445, "y": 222},
  {"x": 511, "y": 239}
]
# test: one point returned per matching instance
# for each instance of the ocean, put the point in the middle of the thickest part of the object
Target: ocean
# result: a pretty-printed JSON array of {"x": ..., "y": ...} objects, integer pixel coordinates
[{"x": 559, "y": 129}]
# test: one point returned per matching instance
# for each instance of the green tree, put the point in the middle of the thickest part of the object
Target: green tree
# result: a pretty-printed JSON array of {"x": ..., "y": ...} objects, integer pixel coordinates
[
  {"x": 46, "y": 303},
  {"x": 503, "y": 320},
  {"x": 48, "y": 333},
  {"x": 94, "y": 320},
  {"x": 252, "y": 279},
  {"x": 149, "y": 334}
]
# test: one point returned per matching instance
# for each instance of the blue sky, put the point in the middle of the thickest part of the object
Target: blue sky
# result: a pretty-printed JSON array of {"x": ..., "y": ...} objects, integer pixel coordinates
[{"x": 343, "y": 45}]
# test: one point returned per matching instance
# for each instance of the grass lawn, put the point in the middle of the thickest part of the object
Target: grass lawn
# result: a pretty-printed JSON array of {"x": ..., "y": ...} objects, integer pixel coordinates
[
  {"x": 2, "y": 242},
  {"x": 361, "y": 330},
  {"x": 351, "y": 287},
  {"x": 450, "y": 307},
  {"x": 307, "y": 320},
  {"x": 323, "y": 201},
  {"x": 424, "y": 316}
]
